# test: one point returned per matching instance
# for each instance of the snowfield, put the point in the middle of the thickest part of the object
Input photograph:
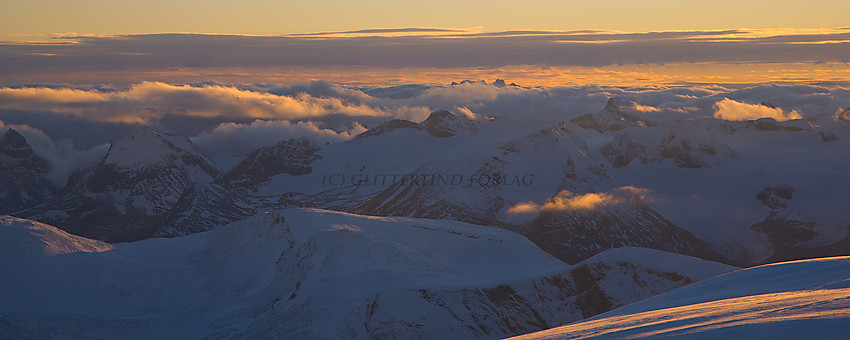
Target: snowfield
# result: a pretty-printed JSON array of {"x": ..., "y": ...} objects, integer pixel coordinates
[
  {"x": 808, "y": 299},
  {"x": 310, "y": 273}
]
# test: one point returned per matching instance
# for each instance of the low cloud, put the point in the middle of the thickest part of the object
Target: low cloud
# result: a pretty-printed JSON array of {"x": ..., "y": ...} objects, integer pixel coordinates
[
  {"x": 643, "y": 108},
  {"x": 233, "y": 119},
  {"x": 523, "y": 208},
  {"x": 228, "y": 142},
  {"x": 642, "y": 193},
  {"x": 567, "y": 201},
  {"x": 148, "y": 101},
  {"x": 728, "y": 109},
  {"x": 62, "y": 156}
]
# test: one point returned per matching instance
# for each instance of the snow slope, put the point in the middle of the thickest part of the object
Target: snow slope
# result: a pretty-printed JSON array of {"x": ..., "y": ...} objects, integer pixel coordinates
[
  {"x": 308, "y": 273},
  {"x": 799, "y": 299}
]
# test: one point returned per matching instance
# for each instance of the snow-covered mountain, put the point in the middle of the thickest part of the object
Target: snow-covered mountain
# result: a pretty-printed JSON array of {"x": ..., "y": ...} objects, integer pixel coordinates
[
  {"x": 577, "y": 226},
  {"x": 843, "y": 115},
  {"x": 611, "y": 118},
  {"x": 149, "y": 184},
  {"x": 803, "y": 299},
  {"x": 439, "y": 124},
  {"x": 23, "y": 181},
  {"x": 510, "y": 175},
  {"x": 708, "y": 176},
  {"x": 291, "y": 157},
  {"x": 480, "y": 179},
  {"x": 458, "y": 226},
  {"x": 483, "y": 176},
  {"x": 656, "y": 182},
  {"x": 318, "y": 274},
  {"x": 684, "y": 144}
]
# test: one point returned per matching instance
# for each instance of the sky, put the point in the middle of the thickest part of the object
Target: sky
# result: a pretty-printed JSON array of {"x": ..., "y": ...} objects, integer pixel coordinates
[
  {"x": 84, "y": 72},
  {"x": 378, "y": 42},
  {"x": 22, "y": 18}
]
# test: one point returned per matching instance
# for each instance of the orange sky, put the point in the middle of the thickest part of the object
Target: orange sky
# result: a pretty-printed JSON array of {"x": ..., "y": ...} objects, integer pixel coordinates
[
  {"x": 22, "y": 20},
  {"x": 532, "y": 43}
]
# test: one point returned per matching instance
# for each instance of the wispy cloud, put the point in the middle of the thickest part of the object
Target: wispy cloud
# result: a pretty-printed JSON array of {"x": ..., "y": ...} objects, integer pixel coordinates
[
  {"x": 391, "y": 32},
  {"x": 149, "y": 101}
]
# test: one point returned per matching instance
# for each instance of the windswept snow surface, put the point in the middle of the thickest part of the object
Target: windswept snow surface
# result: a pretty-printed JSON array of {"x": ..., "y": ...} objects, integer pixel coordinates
[
  {"x": 318, "y": 274},
  {"x": 300, "y": 272},
  {"x": 805, "y": 299}
]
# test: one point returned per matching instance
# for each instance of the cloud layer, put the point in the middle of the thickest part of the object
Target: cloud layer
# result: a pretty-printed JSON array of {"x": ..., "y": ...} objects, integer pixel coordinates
[
  {"x": 228, "y": 120},
  {"x": 392, "y": 54},
  {"x": 148, "y": 101},
  {"x": 234, "y": 139}
]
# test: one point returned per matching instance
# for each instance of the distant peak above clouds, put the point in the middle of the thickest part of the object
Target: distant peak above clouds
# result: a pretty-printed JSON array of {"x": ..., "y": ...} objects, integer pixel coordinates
[
  {"x": 13, "y": 144},
  {"x": 440, "y": 123}
]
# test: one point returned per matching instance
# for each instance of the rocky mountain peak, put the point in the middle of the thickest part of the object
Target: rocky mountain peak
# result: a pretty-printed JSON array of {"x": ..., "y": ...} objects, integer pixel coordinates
[
  {"x": 13, "y": 138},
  {"x": 613, "y": 105},
  {"x": 611, "y": 118},
  {"x": 15, "y": 145},
  {"x": 439, "y": 124},
  {"x": 387, "y": 127},
  {"x": 293, "y": 157},
  {"x": 843, "y": 115},
  {"x": 22, "y": 175},
  {"x": 687, "y": 146}
]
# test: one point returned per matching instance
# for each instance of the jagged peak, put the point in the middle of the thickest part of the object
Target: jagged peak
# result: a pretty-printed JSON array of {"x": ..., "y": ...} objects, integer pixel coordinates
[
  {"x": 686, "y": 145},
  {"x": 440, "y": 123},
  {"x": 471, "y": 82},
  {"x": 611, "y": 118},
  {"x": 388, "y": 126},
  {"x": 843, "y": 115},
  {"x": 13, "y": 139},
  {"x": 557, "y": 133},
  {"x": 15, "y": 145},
  {"x": 292, "y": 156},
  {"x": 613, "y": 105}
]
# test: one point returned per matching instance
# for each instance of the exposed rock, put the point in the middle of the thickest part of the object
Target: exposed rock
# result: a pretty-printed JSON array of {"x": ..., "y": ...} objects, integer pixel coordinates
[
  {"x": 439, "y": 124},
  {"x": 776, "y": 197},
  {"x": 624, "y": 220},
  {"x": 843, "y": 115},
  {"x": 22, "y": 175},
  {"x": 611, "y": 118},
  {"x": 149, "y": 184},
  {"x": 292, "y": 157},
  {"x": 687, "y": 146}
]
